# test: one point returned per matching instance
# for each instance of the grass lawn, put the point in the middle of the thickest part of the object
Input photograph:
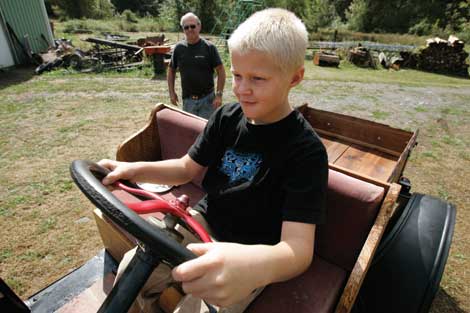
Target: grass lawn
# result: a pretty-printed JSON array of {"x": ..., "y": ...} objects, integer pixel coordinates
[{"x": 46, "y": 224}]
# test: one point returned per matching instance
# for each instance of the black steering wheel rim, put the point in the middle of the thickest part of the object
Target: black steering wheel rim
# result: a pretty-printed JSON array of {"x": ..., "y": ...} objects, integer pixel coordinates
[{"x": 87, "y": 176}]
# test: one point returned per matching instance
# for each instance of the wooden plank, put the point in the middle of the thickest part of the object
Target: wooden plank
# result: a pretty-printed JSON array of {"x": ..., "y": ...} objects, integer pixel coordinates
[
  {"x": 334, "y": 148},
  {"x": 169, "y": 299},
  {"x": 357, "y": 129},
  {"x": 359, "y": 176},
  {"x": 399, "y": 168},
  {"x": 114, "y": 241},
  {"x": 347, "y": 140},
  {"x": 368, "y": 161},
  {"x": 144, "y": 145},
  {"x": 364, "y": 260}
]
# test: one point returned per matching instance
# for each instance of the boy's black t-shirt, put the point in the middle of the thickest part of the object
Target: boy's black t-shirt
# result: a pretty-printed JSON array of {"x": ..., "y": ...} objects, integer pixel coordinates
[{"x": 260, "y": 175}]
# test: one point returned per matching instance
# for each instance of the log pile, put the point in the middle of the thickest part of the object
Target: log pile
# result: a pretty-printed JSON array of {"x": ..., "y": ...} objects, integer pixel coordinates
[{"x": 440, "y": 56}]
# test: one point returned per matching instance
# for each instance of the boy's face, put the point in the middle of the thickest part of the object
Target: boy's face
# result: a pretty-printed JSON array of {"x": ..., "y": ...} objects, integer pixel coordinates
[{"x": 261, "y": 87}]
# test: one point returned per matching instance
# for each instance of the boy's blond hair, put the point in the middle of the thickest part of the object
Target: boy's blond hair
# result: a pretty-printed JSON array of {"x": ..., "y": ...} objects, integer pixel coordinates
[{"x": 277, "y": 32}]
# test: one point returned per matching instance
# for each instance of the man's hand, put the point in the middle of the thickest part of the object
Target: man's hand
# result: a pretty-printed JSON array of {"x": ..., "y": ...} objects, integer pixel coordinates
[
  {"x": 174, "y": 98},
  {"x": 217, "y": 102},
  {"x": 224, "y": 274},
  {"x": 119, "y": 170}
]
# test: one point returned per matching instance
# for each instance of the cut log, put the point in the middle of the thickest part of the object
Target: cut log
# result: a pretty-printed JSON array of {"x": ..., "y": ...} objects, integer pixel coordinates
[
  {"x": 361, "y": 56},
  {"x": 323, "y": 58}
]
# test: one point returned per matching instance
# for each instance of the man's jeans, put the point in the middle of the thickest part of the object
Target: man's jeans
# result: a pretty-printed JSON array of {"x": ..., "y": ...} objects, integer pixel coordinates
[{"x": 201, "y": 107}]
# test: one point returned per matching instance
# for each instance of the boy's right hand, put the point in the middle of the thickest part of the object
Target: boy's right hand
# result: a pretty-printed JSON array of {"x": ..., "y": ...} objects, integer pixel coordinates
[{"x": 119, "y": 170}]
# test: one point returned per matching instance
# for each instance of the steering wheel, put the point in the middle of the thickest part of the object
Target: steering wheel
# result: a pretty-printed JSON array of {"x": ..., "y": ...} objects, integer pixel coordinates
[{"x": 155, "y": 246}]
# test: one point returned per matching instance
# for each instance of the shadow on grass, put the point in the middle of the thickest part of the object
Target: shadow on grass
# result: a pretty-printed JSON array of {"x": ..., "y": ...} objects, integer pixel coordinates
[
  {"x": 444, "y": 303},
  {"x": 159, "y": 76},
  {"x": 16, "y": 75}
]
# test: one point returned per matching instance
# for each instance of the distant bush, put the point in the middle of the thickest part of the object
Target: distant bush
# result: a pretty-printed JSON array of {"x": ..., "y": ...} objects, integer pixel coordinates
[
  {"x": 128, "y": 27},
  {"x": 328, "y": 34},
  {"x": 87, "y": 25},
  {"x": 129, "y": 16},
  {"x": 320, "y": 13},
  {"x": 151, "y": 24},
  {"x": 145, "y": 24},
  {"x": 356, "y": 15},
  {"x": 96, "y": 9},
  {"x": 464, "y": 34},
  {"x": 168, "y": 17},
  {"x": 421, "y": 28}
]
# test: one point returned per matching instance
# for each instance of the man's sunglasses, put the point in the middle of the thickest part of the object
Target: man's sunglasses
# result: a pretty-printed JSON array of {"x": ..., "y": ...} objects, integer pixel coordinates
[{"x": 186, "y": 27}]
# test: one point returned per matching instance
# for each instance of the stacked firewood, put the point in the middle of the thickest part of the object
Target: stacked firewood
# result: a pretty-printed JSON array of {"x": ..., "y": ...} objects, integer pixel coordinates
[{"x": 440, "y": 56}]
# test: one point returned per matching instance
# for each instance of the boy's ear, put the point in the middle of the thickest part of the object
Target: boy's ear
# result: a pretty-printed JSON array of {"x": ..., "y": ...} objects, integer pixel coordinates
[{"x": 297, "y": 77}]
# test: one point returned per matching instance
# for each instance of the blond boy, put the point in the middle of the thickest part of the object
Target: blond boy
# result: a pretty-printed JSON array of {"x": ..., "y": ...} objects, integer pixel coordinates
[{"x": 266, "y": 176}]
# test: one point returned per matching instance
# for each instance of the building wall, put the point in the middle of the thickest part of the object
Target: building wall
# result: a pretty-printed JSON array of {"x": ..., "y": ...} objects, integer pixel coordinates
[
  {"x": 29, "y": 21},
  {"x": 6, "y": 57}
]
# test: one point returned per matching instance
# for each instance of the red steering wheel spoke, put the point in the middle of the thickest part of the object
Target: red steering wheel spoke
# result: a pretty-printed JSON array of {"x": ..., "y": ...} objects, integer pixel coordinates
[{"x": 177, "y": 207}]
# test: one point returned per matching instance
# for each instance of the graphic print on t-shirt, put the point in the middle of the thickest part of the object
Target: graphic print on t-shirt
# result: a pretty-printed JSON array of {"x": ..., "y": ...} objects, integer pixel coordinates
[{"x": 240, "y": 167}]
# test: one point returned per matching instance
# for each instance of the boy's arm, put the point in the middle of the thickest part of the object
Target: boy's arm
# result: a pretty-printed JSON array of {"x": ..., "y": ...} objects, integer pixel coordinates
[
  {"x": 225, "y": 273},
  {"x": 295, "y": 248},
  {"x": 169, "y": 172}
]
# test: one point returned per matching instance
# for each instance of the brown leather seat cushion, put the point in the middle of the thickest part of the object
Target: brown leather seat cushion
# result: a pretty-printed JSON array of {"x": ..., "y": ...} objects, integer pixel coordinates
[
  {"x": 315, "y": 291},
  {"x": 177, "y": 133},
  {"x": 352, "y": 207}
]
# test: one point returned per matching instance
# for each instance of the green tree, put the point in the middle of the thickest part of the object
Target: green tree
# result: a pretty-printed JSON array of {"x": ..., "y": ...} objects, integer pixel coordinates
[
  {"x": 141, "y": 7},
  {"x": 320, "y": 13},
  {"x": 341, "y": 7},
  {"x": 206, "y": 12},
  {"x": 357, "y": 15},
  {"x": 84, "y": 8},
  {"x": 457, "y": 15}
]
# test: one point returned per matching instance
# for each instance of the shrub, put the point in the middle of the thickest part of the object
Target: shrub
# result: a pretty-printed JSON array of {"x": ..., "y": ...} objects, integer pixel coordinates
[
  {"x": 421, "y": 28},
  {"x": 130, "y": 16},
  {"x": 464, "y": 34},
  {"x": 357, "y": 15},
  {"x": 320, "y": 13},
  {"x": 168, "y": 18}
]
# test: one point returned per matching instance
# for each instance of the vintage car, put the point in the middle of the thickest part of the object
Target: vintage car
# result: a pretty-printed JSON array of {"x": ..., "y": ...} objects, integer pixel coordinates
[{"x": 383, "y": 248}]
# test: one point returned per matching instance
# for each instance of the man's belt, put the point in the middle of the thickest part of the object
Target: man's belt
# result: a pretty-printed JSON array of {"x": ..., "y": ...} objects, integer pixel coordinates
[{"x": 200, "y": 96}]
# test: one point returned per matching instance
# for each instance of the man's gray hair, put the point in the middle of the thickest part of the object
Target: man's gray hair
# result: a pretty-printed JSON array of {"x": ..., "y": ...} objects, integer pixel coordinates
[
  {"x": 276, "y": 32},
  {"x": 189, "y": 14}
]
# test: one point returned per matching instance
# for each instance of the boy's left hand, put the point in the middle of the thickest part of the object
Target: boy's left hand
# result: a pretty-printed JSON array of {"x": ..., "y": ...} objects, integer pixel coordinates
[{"x": 224, "y": 274}]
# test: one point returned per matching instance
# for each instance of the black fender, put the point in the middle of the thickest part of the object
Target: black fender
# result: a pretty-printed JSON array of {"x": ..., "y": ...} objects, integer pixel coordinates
[{"x": 408, "y": 265}]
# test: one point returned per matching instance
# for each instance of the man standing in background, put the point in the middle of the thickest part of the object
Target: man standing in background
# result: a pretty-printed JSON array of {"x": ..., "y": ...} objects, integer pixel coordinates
[{"x": 196, "y": 60}]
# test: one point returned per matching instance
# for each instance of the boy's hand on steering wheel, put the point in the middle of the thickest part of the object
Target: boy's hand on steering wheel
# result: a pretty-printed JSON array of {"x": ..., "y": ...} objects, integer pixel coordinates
[
  {"x": 119, "y": 170},
  {"x": 223, "y": 274}
]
